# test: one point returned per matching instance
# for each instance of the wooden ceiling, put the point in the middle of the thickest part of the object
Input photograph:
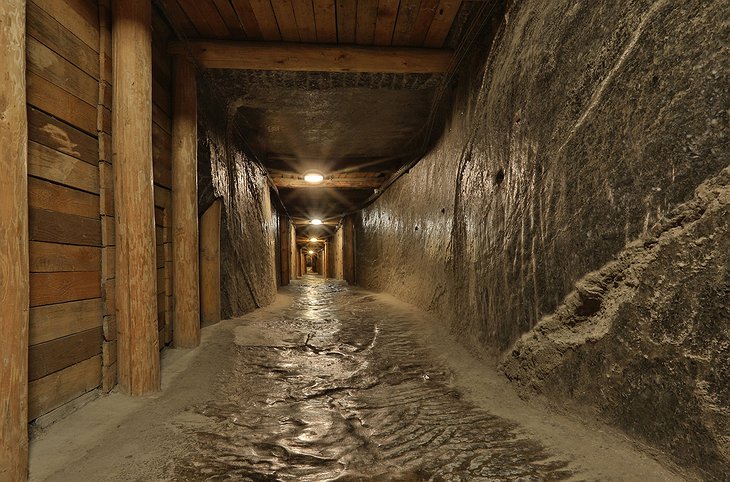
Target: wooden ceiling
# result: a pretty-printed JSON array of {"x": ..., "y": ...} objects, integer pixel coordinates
[
  {"x": 411, "y": 23},
  {"x": 354, "y": 84}
]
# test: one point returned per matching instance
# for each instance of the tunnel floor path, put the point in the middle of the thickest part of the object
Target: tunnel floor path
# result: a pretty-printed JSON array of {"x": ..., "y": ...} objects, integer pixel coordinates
[{"x": 329, "y": 383}]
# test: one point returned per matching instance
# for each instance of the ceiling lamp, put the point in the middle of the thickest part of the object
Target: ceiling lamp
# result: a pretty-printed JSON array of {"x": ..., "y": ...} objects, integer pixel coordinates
[
  {"x": 313, "y": 240},
  {"x": 313, "y": 177},
  {"x": 311, "y": 252},
  {"x": 315, "y": 221}
]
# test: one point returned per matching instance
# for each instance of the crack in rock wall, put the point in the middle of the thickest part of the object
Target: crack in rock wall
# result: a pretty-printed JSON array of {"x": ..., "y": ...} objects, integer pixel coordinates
[
  {"x": 585, "y": 125},
  {"x": 249, "y": 221}
]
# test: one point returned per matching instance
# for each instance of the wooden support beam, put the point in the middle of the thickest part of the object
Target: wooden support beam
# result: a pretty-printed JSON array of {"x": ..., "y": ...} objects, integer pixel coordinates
[
  {"x": 335, "y": 183},
  {"x": 348, "y": 250},
  {"x": 14, "y": 280},
  {"x": 325, "y": 262},
  {"x": 138, "y": 358},
  {"x": 185, "y": 277},
  {"x": 210, "y": 265},
  {"x": 298, "y": 57},
  {"x": 284, "y": 250}
]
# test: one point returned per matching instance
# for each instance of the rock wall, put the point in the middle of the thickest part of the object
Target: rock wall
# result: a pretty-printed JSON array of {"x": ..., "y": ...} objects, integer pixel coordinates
[
  {"x": 249, "y": 222},
  {"x": 585, "y": 124}
]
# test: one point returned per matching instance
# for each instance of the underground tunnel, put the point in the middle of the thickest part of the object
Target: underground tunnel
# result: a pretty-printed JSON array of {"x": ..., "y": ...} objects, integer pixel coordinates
[{"x": 364, "y": 240}]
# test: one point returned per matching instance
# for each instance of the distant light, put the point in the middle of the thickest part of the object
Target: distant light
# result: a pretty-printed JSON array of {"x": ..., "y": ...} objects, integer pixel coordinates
[
  {"x": 313, "y": 177},
  {"x": 315, "y": 221},
  {"x": 311, "y": 252},
  {"x": 313, "y": 240}
]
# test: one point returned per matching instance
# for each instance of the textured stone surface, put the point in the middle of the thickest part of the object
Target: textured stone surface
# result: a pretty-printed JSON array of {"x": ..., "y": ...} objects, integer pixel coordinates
[
  {"x": 587, "y": 124},
  {"x": 249, "y": 222},
  {"x": 646, "y": 338}
]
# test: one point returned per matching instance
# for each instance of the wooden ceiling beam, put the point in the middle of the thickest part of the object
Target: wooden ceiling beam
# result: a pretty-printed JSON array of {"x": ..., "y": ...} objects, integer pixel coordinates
[
  {"x": 299, "y": 57},
  {"x": 338, "y": 183}
]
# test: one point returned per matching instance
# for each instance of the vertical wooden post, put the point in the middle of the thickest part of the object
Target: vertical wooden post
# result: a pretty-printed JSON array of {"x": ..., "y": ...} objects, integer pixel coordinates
[
  {"x": 13, "y": 244},
  {"x": 303, "y": 262},
  {"x": 185, "y": 278},
  {"x": 325, "y": 262},
  {"x": 138, "y": 357},
  {"x": 348, "y": 250},
  {"x": 210, "y": 265},
  {"x": 284, "y": 250}
]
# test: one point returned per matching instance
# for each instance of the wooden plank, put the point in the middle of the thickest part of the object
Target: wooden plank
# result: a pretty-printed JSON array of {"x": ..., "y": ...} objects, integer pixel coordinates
[
  {"x": 108, "y": 262},
  {"x": 346, "y": 183},
  {"x": 52, "y": 257},
  {"x": 54, "y": 390},
  {"x": 325, "y": 20},
  {"x": 62, "y": 137},
  {"x": 55, "y": 227},
  {"x": 108, "y": 296},
  {"x": 367, "y": 13},
  {"x": 106, "y": 192},
  {"x": 248, "y": 19},
  {"x": 57, "y": 70},
  {"x": 80, "y": 17},
  {"x": 284, "y": 12},
  {"x": 54, "y": 35},
  {"x": 56, "y": 166},
  {"x": 161, "y": 96},
  {"x": 346, "y": 21},
  {"x": 266, "y": 19},
  {"x": 205, "y": 17},
  {"x": 228, "y": 14},
  {"x": 54, "y": 197},
  {"x": 50, "y": 98},
  {"x": 54, "y": 355},
  {"x": 108, "y": 230},
  {"x": 315, "y": 57},
  {"x": 304, "y": 15},
  {"x": 407, "y": 13},
  {"x": 109, "y": 353},
  {"x": 160, "y": 119},
  {"x": 162, "y": 197},
  {"x": 55, "y": 321},
  {"x": 109, "y": 377},
  {"x": 109, "y": 324},
  {"x": 179, "y": 18},
  {"x": 385, "y": 22},
  {"x": 162, "y": 175},
  {"x": 441, "y": 24},
  {"x": 424, "y": 19},
  {"x": 50, "y": 288}
]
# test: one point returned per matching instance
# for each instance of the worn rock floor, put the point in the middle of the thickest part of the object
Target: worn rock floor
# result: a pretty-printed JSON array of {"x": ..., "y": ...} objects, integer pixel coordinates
[{"x": 331, "y": 383}]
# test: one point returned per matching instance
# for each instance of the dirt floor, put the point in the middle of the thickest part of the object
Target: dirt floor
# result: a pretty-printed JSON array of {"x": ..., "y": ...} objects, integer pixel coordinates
[{"x": 332, "y": 383}]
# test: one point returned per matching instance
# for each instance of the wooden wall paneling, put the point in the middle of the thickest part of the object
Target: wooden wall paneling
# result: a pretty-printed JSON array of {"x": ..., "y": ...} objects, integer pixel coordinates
[
  {"x": 52, "y": 99},
  {"x": 367, "y": 13},
  {"x": 52, "y": 391},
  {"x": 325, "y": 20},
  {"x": 266, "y": 19},
  {"x": 346, "y": 21},
  {"x": 441, "y": 24},
  {"x": 62, "y": 137},
  {"x": 54, "y": 197},
  {"x": 49, "y": 322},
  {"x": 424, "y": 18},
  {"x": 284, "y": 250},
  {"x": 54, "y": 355},
  {"x": 228, "y": 14},
  {"x": 14, "y": 286},
  {"x": 304, "y": 15},
  {"x": 55, "y": 227},
  {"x": 179, "y": 18},
  {"x": 81, "y": 17},
  {"x": 52, "y": 257},
  {"x": 385, "y": 22},
  {"x": 47, "y": 163}
]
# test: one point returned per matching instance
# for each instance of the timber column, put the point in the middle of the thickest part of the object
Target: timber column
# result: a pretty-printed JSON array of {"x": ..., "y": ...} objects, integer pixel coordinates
[
  {"x": 136, "y": 277},
  {"x": 13, "y": 245},
  {"x": 185, "y": 277}
]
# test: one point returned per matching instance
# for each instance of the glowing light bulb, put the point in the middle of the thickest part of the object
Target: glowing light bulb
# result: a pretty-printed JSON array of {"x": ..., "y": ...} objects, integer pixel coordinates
[
  {"x": 313, "y": 177},
  {"x": 311, "y": 252},
  {"x": 312, "y": 240},
  {"x": 315, "y": 221}
]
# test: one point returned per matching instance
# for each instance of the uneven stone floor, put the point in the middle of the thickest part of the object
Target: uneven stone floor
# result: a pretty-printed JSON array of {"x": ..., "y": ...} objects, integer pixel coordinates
[{"x": 330, "y": 383}]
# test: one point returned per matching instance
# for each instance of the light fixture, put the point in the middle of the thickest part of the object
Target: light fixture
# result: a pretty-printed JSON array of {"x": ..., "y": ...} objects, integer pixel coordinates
[
  {"x": 313, "y": 240},
  {"x": 311, "y": 252},
  {"x": 315, "y": 221},
  {"x": 313, "y": 177}
]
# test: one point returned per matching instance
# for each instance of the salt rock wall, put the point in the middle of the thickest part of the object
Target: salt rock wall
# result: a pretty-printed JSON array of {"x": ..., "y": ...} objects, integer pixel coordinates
[
  {"x": 249, "y": 222},
  {"x": 585, "y": 125}
]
